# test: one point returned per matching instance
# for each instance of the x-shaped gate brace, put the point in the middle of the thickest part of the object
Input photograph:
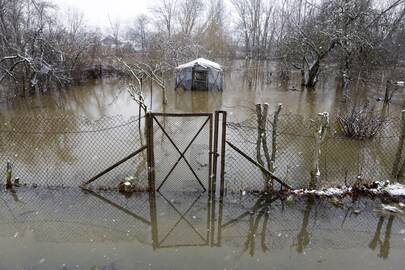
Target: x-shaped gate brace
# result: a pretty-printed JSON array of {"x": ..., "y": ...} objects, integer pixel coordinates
[
  {"x": 182, "y": 217},
  {"x": 182, "y": 153}
]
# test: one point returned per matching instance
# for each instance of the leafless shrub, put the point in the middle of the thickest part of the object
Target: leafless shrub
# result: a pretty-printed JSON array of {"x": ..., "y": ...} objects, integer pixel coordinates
[{"x": 360, "y": 122}]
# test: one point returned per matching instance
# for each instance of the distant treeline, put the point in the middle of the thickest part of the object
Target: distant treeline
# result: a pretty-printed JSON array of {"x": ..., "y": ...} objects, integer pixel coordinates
[{"x": 39, "y": 49}]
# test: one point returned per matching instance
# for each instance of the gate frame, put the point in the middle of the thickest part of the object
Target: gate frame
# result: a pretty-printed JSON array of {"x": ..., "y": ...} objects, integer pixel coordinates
[{"x": 150, "y": 119}]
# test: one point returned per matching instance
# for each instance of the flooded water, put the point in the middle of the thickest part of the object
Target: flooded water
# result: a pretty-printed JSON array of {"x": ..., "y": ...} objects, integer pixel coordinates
[
  {"x": 244, "y": 87},
  {"x": 68, "y": 229}
]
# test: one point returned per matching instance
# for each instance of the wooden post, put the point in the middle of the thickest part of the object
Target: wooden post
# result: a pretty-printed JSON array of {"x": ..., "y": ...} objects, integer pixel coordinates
[
  {"x": 151, "y": 156},
  {"x": 9, "y": 174},
  {"x": 320, "y": 134},
  {"x": 387, "y": 92},
  {"x": 396, "y": 172},
  {"x": 140, "y": 105},
  {"x": 265, "y": 113},
  {"x": 262, "y": 140},
  {"x": 274, "y": 137},
  {"x": 260, "y": 133}
]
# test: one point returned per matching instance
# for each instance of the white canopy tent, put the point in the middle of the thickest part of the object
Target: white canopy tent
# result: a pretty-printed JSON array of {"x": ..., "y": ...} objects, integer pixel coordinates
[{"x": 200, "y": 74}]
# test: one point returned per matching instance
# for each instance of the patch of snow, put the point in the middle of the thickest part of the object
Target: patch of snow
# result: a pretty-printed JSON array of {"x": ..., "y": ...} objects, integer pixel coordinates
[
  {"x": 329, "y": 192},
  {"x": 400, "y": 83},
  {"x": 391, "y": 209},
  {"x": 382, "y": 188},
  {"x": 395, "y": 189},
  {"x": 201, "y": 62}
]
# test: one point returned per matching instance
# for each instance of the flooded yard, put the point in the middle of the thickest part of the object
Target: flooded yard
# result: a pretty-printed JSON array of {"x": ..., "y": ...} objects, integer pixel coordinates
[
  {"x": 62, "y": 137},
  {"x": 245, "y": 86},
  {"x": 192, "y": 134},
  {"x": 57, "y": 141},
  {"x": 69, "y": 229}
]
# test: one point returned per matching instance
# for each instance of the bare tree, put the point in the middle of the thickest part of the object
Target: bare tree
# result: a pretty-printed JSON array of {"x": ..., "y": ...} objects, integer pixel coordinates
[
  {"x": 37, "y": 52},
  {"x": 115, "y": 28},
  {"x": 165, "y": 12},
  {"x": 189, "y": 12},
  {"x": 139, "y": 32},
  {"x": 351, "y": 30},
  {"x": 254, "y": 24}
]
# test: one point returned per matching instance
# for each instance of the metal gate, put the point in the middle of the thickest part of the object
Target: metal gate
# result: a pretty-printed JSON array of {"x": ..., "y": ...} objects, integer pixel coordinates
[{"x": 180, "y": 151}]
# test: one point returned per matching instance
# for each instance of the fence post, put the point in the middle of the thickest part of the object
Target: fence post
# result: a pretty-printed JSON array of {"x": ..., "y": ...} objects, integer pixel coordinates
[
  {"x": 223, "y": 148},
  {"x": 262, "y": 140},
  {"x": 260, "y": 131},
  {"x": 274, "y": 137},
  {"x": 320, "y": 134},
  {"x": 387, "y": 92},
  {"x": 9, "y": 173},
  {"x": 150, "y": 156},
  {"x": 213, "y": 177},
  {"x": 395, "y": 169}
]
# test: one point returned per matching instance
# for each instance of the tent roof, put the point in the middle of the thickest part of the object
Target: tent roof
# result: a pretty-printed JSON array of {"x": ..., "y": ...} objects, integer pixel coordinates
[{"x": 201, "y": 62}]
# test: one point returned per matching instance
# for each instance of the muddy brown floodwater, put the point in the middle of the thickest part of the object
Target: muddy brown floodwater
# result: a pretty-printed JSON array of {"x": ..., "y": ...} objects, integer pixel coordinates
[
  {"x": 243, "y": 89},
  {"x": 68, "y": 229}
]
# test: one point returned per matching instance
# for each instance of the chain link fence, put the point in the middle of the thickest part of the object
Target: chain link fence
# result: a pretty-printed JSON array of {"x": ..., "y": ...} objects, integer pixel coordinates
[
  {"x": 342, "y": 160},
  {"x": 177, "y": 135},
  {"x": 68, "y": 150}
]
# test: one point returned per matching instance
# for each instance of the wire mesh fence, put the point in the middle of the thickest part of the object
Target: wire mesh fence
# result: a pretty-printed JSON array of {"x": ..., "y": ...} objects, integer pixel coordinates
[
  {"x": 181, "y": 151},
  {"x": 343, "y": 160},
  {"x": 68, "y": 150}
]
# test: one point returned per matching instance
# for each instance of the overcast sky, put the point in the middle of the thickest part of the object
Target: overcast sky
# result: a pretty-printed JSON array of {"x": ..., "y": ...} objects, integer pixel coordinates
[{"x": 97, "y": 11}]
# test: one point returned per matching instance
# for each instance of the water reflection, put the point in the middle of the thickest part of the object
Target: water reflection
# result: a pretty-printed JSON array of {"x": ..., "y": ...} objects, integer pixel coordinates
[
  {"x": 243, "y": 226},
  {"x": 384, "y": 244},
  {"x": 304, "y": 237}
]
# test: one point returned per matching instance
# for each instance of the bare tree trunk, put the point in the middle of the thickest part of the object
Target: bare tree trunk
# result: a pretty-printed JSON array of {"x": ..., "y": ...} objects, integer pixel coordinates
[
  {"x": 346, "y": 82},
  {"x": 311, "y": 77},
  {"x": 320, "y": 134}
]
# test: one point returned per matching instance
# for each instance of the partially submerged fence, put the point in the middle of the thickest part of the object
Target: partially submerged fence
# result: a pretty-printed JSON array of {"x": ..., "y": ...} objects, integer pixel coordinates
[
  {"x": 68, "y": 150},
  {"x": 186, "y": 152},
  {"x": 342, "y": 160}
]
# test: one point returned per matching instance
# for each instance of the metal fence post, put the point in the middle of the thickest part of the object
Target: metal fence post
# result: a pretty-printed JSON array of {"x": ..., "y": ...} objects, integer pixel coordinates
[
  {"x": 223, "y": 148},
  {"x": 150, "y": 156},
  {"x": 215, "y": 155}
]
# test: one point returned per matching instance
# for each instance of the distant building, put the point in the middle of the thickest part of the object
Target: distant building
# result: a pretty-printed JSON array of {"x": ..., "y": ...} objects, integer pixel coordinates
[{"x": 200, "y": 74}]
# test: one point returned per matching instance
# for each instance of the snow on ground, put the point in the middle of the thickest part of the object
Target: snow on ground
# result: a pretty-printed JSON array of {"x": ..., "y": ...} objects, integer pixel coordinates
[
  {"x": 381, "y": 188},
  {"x": 329, "y": 192}
]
